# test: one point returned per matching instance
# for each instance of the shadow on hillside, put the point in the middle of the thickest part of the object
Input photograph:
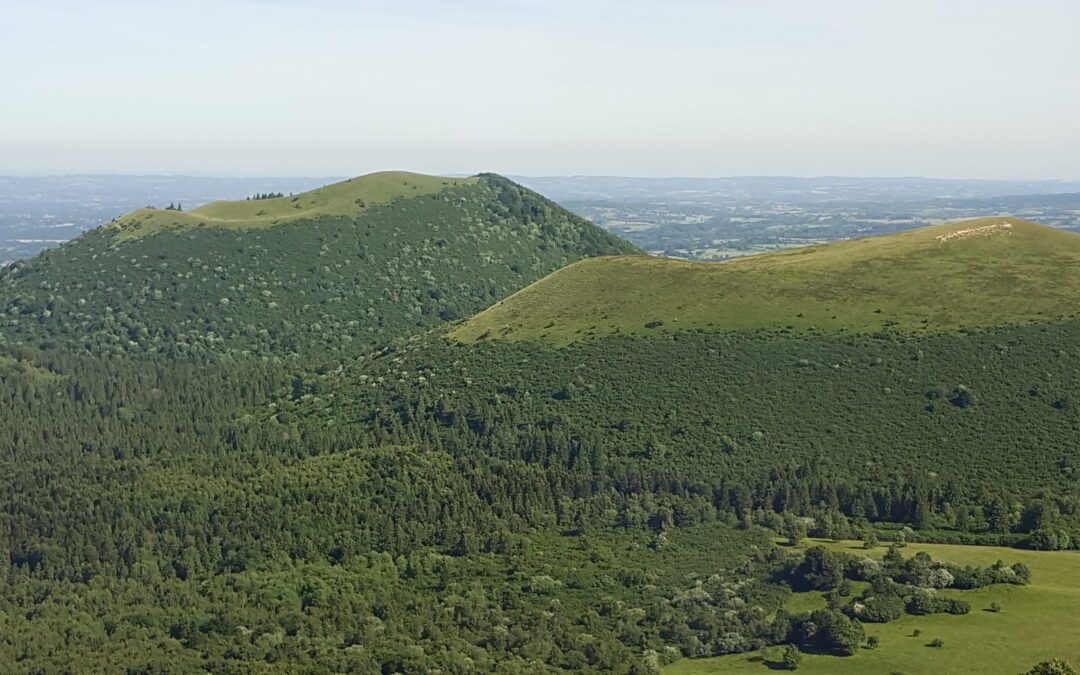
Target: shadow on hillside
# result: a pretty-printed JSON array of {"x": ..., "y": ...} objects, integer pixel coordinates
[
  {"x": 768, "y": 663},
  {"x": 775, "y": 665}
]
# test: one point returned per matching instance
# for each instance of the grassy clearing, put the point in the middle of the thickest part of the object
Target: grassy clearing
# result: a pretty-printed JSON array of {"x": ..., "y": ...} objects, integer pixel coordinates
[
  {"x": 1036, "y": 622},
  {"x": 350, "y": 197},
  {"x": 970, "y": 273}
]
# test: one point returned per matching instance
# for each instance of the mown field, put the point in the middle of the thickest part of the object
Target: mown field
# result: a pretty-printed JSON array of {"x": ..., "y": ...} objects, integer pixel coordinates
[{"x": 1036, "y": 623}]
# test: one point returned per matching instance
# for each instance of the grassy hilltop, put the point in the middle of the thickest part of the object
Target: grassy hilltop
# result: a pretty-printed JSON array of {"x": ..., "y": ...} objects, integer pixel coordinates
[
  {"x": 971, "y": 273},
  {"x": 348, "y": 198}
]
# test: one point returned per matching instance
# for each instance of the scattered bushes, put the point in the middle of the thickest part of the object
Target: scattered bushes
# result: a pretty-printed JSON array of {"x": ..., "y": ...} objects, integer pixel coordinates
[{"x": 897, "y": 585}]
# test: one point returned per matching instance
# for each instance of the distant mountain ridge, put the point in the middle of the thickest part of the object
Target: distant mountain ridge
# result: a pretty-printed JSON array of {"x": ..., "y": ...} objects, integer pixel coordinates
[{"x": 359, "y": 261}]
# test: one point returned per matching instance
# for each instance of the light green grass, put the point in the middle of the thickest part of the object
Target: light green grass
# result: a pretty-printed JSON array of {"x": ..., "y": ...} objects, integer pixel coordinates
[
  {"x": 1037, "y": 622},
  {"x": 982, "y": 272},
  {"x": 350, "y": 197}
]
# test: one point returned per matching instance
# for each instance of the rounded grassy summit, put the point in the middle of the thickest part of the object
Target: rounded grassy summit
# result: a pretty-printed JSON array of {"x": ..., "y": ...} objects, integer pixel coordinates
[
  {"x": 970, "y": 273},
  {"x": 350, "y": 197}
]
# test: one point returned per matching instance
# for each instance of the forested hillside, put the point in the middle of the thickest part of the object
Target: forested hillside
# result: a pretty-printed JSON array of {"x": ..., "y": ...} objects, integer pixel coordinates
[
  {"x": 352, "y": 264},
  {"x": 964, "y": 435},
  {"x": 568, "y": 502},
  {"x": 154, "y": 520}
]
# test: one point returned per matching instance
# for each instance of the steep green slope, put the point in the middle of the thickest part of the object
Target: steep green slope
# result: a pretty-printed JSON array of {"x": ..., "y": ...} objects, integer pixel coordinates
[
  {"x": 969, "y": 273},
  {"x": 358, "y": 262}
]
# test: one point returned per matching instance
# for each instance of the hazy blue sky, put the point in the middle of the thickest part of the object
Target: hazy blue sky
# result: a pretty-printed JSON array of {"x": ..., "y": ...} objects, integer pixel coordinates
[{"x": 952, "y": 88}]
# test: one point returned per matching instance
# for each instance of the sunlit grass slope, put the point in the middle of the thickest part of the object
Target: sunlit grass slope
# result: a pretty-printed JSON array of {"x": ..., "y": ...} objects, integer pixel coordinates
[
  {"x": 1036, "y": 623},
  {"x": 988, "y": 271},
  {"x": 347, "y": 198}
]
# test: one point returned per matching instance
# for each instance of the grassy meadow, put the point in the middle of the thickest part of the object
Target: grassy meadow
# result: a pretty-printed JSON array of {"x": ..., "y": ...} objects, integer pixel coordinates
[
  {"x": 1036, "y": 623},
  {"x": 990, "y": 271}
]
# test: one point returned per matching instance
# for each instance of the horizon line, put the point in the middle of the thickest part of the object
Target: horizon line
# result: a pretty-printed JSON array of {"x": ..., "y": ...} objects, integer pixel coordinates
[{"x": 330, "y": 176}]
